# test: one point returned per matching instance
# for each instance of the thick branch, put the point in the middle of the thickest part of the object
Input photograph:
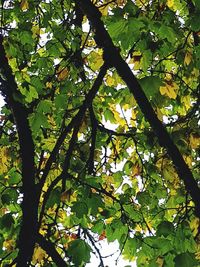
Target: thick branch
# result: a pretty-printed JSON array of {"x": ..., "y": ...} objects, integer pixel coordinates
[
  {"x": 51, "y": 251},
  {"x": 112, "y": 54},
  {"x": 28, "y": 229}
]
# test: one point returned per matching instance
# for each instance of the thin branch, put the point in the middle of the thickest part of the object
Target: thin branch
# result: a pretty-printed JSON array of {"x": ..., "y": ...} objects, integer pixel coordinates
[
  {"x": 93, "y": 141},
  {"x": 76, "y": 120},
  {"x": 75, "y": 123}
]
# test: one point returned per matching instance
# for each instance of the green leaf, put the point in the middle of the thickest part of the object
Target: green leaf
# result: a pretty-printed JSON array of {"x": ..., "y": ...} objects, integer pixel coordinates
[
  {"x": 5, "y": 199},
  {"x": 194, "y": 22},
  {"x": 185, "y": 260},
  {"x": 135, "y": 24},
  {"x": 80, "y": 208},
  {"x": 37, "y": 120},
  {"x": 116, "y": 230},
  {"x": 109, "y": 116},
  {"x": 197, "y": 4},
  {"x": 130, "y": 248},
  {"x": 117, "y": 27},
  {"x": 54, "y": 197},
  {"x": 26, "y": 37},
  {"x": 168, "y": 33},
  {"x": 79, "y": 250},
  {"x": 151, "y": 85},
  {"x": 33, "y": 92},
  {"x": 6, "y": 221},
  {"x": 94, "y": 202},
  {"x": 144, "y": 198},
  {"x": 44, "y": 106},
  {"x": 165, "y": 228},
  {"x": 128, "y": 167},
  {"x": 60, "y": 101},
  {"x": 98, "y": 227}
]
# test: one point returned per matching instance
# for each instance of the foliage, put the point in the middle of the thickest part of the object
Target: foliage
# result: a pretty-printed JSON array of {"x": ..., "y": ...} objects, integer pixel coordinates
[{"x": 86, "y": 155}]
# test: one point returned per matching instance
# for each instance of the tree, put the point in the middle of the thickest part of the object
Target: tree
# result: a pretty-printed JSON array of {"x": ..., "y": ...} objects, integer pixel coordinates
[{"x": 68, "y": 180}]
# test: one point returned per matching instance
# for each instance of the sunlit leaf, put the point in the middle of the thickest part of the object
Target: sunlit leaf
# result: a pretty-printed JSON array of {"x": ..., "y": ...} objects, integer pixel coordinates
[
  {"x": 170, "y": 90},
  {"x": 24, "y": 5}
]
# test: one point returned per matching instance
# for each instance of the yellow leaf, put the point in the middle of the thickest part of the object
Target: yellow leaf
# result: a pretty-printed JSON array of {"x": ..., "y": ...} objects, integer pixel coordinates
[
  {"x": 138, "y": 228},
  {"x": 168, "y": 77},
  {"x": 109, "y": 220},
  {"x": 48, "y": 144},
  {"x": 169, "y": 172},
  {"x": 62, "y": 73},
  {"x": 160, "y": 261},
  {"x": 136, "y": 170},
  {"x": 188, "y": 160},
  {"x": 41, "y": 51},
  {"x": 197, "y": 254},
  {"x": 133, "y": 117},
  {"x": 188, "y": 58},
  {"x": 52, "y": 123},
  {"x": 96, "y": 59},
  {"x": 194, "y": 225},
  {"x": 42, "y": 231},
  {"x": 136, "y": 65},
  {"x": 66, "y": 195},
  {"x": 169, "y": 89},
  {"x": 9, "y": 244},
  {"x": 195, "y": 72},
  {"x": 186, "y": 100},
  {"x": 170, "y": 175},
  {"x": 35, "y": 30},
  {"x": 110, "y": 81},
  {"x": 104, "y": 10},
  {"x": 25, "y": 75},
  {"x": 54, "y": 173},
  {"x": 117, "y": 78},
  {"x": 24, "y": 5},
  {"x": 140, "y": 3},
  {"x": 121, "y": 2},
  {"x": 108, "y": 201},
  {"x": 194, "y": 141},
  {"x": 13, "y": 64},
  {"x": 170, "y": 3},
  {"x": 39, "y": 255},
  {"x": 49, "y": 85},
  {"x": 159, "y": 114},
  {"x": 4, "y": 152}
]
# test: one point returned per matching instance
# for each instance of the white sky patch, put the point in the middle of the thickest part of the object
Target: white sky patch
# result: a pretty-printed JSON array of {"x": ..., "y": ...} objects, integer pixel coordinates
[
  {"x": 2, "y": 102},
  {"x": 86, "y": 26},
  {"x": 106, "y": 249}
]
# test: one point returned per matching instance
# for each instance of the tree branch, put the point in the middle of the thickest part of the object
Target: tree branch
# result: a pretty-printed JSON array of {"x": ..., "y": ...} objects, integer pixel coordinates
[
  {"x": 28, "y": 229},
  {"x": 112, "y": 55},
  {"x": 93, "y": 121},
  {"x": 75, "y": 121},
  {"x": 51, "y": 251}
]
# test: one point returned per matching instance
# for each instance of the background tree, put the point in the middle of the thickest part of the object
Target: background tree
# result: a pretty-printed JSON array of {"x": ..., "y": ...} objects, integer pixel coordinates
[{"x": 67, "y": 180}]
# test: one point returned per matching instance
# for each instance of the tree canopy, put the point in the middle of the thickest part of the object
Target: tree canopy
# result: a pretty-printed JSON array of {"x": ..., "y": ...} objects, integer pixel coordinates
[{"x": 99, "y": 131}]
